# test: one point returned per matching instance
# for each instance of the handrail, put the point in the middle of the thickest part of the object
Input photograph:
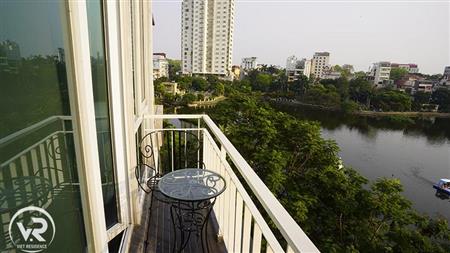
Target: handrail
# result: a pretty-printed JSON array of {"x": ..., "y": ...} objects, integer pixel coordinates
[
  {"x": 294, "y": 235},
  {"x": 33, "y": 127}
]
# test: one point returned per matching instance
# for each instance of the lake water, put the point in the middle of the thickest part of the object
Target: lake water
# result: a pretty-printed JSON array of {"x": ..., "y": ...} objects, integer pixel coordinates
[{"x": 416, "y": 153}]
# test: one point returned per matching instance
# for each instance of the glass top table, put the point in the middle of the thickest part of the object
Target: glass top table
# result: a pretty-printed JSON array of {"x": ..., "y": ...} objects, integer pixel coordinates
[{"x": 192, "y": 184}]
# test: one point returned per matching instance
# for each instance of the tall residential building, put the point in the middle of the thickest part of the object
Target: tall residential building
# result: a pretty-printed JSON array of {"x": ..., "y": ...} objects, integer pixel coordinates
[
  {"x": 207, "y": 36},
  {"x": 160, "y": 66},
  {"x": 249, "y": 63},
  {"x": 447, "y": 71},
  {"x": 319, "y": 63},
  {"x": 379, "y": 73},
  {"x": 295, "y": 68},
  {"x": 410, "y": 67}
]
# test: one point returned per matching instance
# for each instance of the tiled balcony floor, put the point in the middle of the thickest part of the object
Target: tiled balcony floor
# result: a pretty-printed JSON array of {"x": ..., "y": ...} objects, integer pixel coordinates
[{"x": 161, "y": 234}]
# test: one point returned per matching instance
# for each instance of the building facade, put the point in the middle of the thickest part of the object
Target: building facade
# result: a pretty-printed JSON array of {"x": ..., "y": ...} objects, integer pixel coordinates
[
  {"x": 160, "y": 66},
  {"x": 249, "y": 63},
  {"x": 447, "y": 71},
  {"x": 296, "y": 68},
  {"x": 319, "y": 63},
  {"x": 380, "y": 73},
  {"x": 207, "y": 36}
]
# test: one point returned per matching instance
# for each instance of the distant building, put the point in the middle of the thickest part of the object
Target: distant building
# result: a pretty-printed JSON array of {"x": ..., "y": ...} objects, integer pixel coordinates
[
  {"x": 9, "y": 56},
  {"x": 249, "y": 63},
  {"x": 296, "y": 68},
  {"x": 291, "y": 62},
  {"x": 379, "y": 73},
  {"x": 447, "y": 71},
  {"x": 349, "y": 68},
  {"x": 207, "y": 36},
  {"x": 424, "y": 86},
  {"x": 408, "y": 84},
  {"x": 330, "y": 73},
  {"x": 172, "y": 88},
  {"x": 410, "y": 67},
  {"x": 319, "y": 63},
  {"x": 443, "y": 83},
  {"x": 160, "y": 66}
]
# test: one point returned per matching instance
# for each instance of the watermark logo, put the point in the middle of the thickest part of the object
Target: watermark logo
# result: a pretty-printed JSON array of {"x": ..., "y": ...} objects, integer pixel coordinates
[{"x": 32, "y": 229}]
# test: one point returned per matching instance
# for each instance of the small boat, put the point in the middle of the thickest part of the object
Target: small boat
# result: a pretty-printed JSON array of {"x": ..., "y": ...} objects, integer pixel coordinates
[{"x": 443, "y": 186}]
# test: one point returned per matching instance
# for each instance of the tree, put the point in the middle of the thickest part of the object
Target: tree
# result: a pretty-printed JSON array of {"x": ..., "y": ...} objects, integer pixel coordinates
[
  {"x": 392, "y": 100},
  {"x": 174, "y": 68},
  {"x": 218, "y": 89},
  {"x": 200, "y": 97},
  {"x": 441, "y": 97},
  {"x": 199, "y": 84},
  {"x": 332, "y": 204},
  {"x": 262, "y": 82},
  {"x": 188, "y": 98},
  {"x": 420, "y": 98},
  {"x": 300, "y": 85},
  {"x": 398, "y": 73},
  {"x": 325, "y": 96},
  {"x": 361, "y": 91},
  {"x": 184, "y": 82}
]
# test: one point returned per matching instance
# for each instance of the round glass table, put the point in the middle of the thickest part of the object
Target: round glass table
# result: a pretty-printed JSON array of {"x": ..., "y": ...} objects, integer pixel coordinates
[{"x": 194, "y": 192}]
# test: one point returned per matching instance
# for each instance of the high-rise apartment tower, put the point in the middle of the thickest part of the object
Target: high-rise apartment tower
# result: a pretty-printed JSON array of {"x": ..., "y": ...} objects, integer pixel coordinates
[{"x": 207, "y": 36}]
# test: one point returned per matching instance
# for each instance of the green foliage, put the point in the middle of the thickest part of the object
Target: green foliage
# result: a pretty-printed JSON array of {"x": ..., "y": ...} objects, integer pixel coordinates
[
  {"x": 360, "y": 90},
  {"x": 398, "y": 120},
  {"x": 330, "y": 203},
  {"x": 345, "y": 73},
  {"x": 218, "y": 89},
  {"x": 200, "y": 84},
  {"x": 392, "y": 100},
  {"x": 174, "y": 68},
  {"x": 442, "y": 97},
  {"x": 349, "y": 106},
  {"x": 324, "y": 96},
  {"x": 200, "y": 96},
  {"x": 300, "y": 86},
  {"x": 420, "y": 98},
  {"x": 398, "y": 73},
  {"x": 262, "y": 82},
  {"x": 341, "y": 85},
  {"x": 188, "y": 98}
]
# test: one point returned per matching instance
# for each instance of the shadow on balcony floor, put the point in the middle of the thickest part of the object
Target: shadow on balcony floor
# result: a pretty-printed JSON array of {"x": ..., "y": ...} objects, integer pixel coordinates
[{"x": 161, "y": 234}]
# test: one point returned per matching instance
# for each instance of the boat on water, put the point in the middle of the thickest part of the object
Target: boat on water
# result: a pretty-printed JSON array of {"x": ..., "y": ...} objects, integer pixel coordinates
[{"x": 443, "y": 186}]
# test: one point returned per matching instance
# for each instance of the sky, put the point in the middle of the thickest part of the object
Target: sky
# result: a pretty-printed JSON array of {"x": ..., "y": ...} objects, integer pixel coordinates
[{"x": 357, "y": 32}]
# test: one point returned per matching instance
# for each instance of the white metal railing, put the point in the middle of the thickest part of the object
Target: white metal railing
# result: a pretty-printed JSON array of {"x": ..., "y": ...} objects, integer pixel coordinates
[{"x": 240, "y": 222}]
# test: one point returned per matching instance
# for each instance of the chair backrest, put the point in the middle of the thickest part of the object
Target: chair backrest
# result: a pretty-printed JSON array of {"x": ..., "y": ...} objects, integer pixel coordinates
[
  {"x": 172, "y": 150},
  {"x": 145, "y": 173}
]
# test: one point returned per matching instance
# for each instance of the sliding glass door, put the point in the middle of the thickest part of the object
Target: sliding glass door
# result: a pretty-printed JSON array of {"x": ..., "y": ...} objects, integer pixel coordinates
[{"x": 40, "y": 203}]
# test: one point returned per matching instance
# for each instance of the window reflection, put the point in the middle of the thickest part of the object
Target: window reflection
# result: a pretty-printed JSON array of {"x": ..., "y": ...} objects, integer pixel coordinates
[
  {"x": 102, "y": 113},
  {"x": 37, "y": 157}
]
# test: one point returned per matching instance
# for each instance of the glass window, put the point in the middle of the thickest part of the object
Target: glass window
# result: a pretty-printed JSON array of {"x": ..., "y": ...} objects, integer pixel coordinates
[
  {"x": 102, "y": 110},
  {"x": 37, "y": 156}
]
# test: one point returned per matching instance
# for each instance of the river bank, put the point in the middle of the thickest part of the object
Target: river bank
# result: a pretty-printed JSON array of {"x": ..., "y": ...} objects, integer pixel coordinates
[
  {"x": 363, "y": 113},
  {"x": 415, "y": 152}
]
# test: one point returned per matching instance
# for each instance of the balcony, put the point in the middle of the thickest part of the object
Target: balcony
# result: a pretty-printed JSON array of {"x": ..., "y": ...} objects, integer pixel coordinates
[
  {"x": 241, "y": 215},
  {"x": 39, "y": 169}
]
